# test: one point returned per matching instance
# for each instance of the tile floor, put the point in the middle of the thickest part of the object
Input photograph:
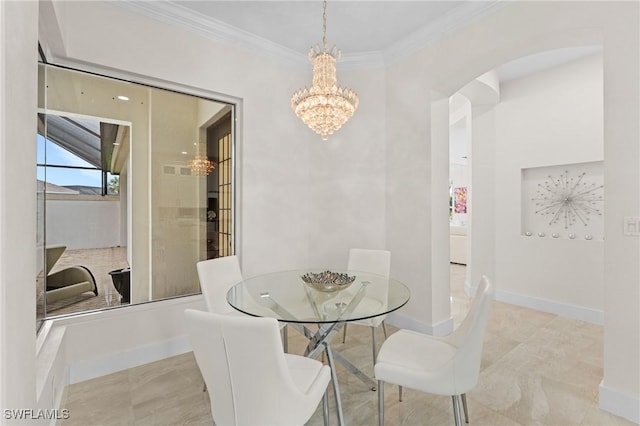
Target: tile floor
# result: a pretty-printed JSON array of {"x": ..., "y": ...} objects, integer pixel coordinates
[{"x": 537, "y": 369}]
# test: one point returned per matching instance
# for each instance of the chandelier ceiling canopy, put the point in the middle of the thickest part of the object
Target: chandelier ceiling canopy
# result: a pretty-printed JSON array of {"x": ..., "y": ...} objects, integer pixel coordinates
[{"x": 325, "y": 107}]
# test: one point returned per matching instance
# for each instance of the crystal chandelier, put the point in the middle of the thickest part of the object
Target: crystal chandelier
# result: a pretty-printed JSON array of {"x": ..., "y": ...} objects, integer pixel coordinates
[
  {"x": 325, "y": 107},
  {"x": 201, "y": 165}
]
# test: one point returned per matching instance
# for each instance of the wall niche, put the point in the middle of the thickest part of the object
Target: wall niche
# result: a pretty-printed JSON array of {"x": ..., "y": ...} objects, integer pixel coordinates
[{"x": 564, "y": 201}]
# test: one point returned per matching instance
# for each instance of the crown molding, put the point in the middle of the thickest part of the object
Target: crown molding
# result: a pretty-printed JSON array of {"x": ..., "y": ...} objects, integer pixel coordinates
[
  {"x": 174, "y": 14},
  {"x": 374, "y": 59}
]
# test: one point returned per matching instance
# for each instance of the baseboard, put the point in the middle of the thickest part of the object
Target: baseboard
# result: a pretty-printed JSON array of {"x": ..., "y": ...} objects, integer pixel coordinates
[
  {"x": 619, "y": 403},
  {"x": 440, "y": 329},
  {"x": 545, "y": 305},
  {"x": 89, "y": 369}
]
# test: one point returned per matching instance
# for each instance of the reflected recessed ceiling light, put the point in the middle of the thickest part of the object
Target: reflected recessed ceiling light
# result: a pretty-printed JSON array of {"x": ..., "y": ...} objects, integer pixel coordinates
[
  {"x": 184, "y": 152},
  {"x": 123, "y": 98}
]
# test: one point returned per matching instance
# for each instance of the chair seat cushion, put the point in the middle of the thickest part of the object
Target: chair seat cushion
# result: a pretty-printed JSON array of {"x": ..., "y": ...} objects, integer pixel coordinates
[
  {"x": 54, "y": 294},
  {"x": 305, "y": 371},
  {"x": 417, "y": 361}
]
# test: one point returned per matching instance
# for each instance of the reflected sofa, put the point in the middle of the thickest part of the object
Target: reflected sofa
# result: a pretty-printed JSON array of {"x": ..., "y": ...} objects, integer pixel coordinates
[{"x": 69, "y": 281}]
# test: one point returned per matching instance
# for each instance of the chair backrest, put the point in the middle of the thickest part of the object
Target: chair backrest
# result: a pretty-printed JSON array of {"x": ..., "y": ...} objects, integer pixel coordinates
[
  {"x": 216, "y": 277},
  {"x": 245, "y": 370},
  {"x": 469, "y": 336},
  {"x": 373, "y": 261}
]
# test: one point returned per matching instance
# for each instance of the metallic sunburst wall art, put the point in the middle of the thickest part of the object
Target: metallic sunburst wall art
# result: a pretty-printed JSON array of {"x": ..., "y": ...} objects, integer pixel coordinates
[{"x": 568, "y": 200}]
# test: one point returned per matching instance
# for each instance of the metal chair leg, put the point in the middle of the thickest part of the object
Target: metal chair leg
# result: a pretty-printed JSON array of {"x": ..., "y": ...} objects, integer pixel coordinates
[
  {"x": 325, "y": 409},
  {"x": 380, "y": 403},
  {"x": 373, "y": 344},
  {"x": 344, "y": 333},
  {"x": 285, "y": 338},
  {"x": 456, "y": 410},
  {"x": 400, "y": 393},
  {"x": 384, "y": 328},
  {"x": 464, "y": 407}
]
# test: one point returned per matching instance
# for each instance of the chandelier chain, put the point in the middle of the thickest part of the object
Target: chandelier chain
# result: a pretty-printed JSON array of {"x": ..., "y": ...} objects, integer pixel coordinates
[{"x": 324, "y": 25}]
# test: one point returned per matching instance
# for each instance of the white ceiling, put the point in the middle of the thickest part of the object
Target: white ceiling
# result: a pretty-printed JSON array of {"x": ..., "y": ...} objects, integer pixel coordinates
[
  {"x": 367, "y": 32},
  {"x": 354, "y": 26}
]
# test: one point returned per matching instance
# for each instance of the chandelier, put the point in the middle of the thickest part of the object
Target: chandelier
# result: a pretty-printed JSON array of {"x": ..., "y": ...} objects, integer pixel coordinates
[
  {"x": 201, "y": 165},
  {"x": 325, "y": 107}
]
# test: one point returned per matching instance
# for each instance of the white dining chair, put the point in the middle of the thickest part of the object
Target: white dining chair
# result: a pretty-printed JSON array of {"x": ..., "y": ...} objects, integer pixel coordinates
[
  {"x": 252, "y": 381},
  {"x": 448, "y": 365},
  {"x": 216, "y": 277},
  {"x": 375, "y": 262}
]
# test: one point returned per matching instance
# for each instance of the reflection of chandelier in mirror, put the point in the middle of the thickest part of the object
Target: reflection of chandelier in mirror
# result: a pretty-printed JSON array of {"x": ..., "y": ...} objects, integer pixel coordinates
[
  {"x": 201, "y": 165},
  {"x": 325, "y": 107}
]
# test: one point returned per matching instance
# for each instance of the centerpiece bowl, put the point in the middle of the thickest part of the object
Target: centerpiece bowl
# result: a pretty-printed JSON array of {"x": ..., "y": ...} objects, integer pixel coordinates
[{"x": 327, "y": 281}]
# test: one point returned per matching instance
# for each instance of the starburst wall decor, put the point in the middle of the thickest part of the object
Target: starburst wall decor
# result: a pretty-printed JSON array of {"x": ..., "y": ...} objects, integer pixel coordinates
[{"x": 568, "y": 200}]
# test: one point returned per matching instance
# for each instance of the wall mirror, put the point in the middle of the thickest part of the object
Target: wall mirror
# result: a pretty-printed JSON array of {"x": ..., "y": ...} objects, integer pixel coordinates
[{"x": 135, "y": 185}]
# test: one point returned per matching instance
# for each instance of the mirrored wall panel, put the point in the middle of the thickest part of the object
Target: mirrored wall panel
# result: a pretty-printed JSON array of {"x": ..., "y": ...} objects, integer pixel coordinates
[{"x": 135, "y": 186}]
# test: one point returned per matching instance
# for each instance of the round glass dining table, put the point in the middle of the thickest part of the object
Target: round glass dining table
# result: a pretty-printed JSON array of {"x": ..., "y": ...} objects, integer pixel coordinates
[{"x": 286, "y": 297}]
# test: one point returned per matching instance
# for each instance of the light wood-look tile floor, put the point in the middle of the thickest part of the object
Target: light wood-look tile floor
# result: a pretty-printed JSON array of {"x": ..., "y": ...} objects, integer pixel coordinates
[{"x": 537, "y": 369}]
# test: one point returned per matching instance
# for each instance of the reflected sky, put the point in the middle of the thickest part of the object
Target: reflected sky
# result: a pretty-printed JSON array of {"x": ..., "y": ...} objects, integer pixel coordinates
[{"x": 58, "y": 156}]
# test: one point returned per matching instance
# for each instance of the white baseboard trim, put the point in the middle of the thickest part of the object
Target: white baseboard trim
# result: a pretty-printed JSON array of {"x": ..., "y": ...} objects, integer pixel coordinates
[
  {"x": 545, "y": 305},
  {"x": 111, "y": 363},
  {"x": 619, "y": 403},
  {"x": 441, "y": 329}
]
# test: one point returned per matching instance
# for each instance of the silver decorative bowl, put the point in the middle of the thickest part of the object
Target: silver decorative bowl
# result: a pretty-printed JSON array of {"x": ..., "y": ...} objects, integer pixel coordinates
[{"x": 327, "y": 281}]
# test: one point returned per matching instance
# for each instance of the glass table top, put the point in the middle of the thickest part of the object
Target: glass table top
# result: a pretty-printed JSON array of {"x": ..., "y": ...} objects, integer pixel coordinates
[{"x": 286, "y": 297}]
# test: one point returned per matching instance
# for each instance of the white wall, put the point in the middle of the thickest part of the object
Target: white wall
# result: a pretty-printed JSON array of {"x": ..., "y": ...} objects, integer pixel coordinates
[
  {"x": 346, "y": 188},
  {"x": 519, "y": 29},
  {"x": 482, "y": 198},
  {"x": 620, "y": 388},
  {"x": 80, "y": 224},
  {"x": 18, "y": 95},
  {"x": 550, "y": 118},
  {"x": 410, "y": 191},
  {"x": 459, "y": 168}
]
